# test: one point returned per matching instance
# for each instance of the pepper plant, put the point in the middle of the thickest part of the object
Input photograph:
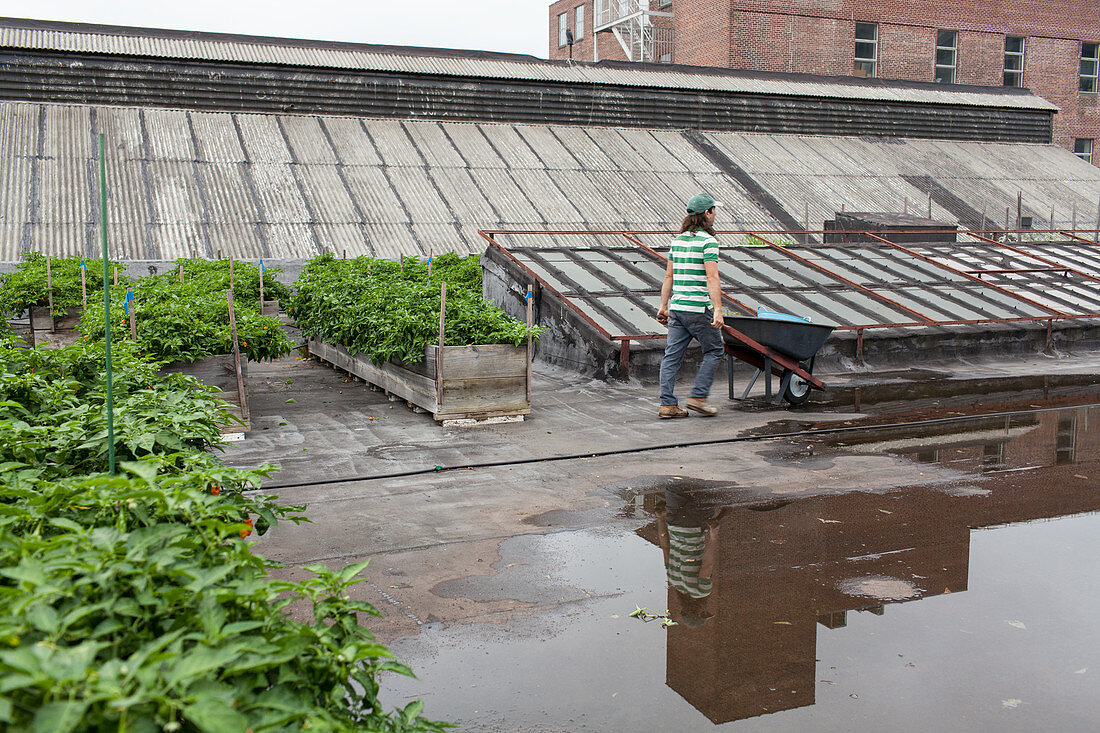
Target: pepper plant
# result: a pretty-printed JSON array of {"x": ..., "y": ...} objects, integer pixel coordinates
[
  {"x": 189, "y": 321},
  {"x": 134, "y": 602},
  {"x": 391, "y": 311},
  {"x": 28, "y": 284}
]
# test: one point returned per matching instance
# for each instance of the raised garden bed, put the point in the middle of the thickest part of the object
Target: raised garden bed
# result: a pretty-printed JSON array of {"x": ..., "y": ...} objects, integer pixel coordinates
[
  {"x": 476, "y": 383},
  {"x": 50, "y": 330},
  {"x": 220, "y": 372},
  {"x": 421, "y": 331}
]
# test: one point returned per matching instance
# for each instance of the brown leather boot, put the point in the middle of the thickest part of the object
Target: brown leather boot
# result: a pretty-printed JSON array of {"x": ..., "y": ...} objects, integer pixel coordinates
[
  {"x": 701, "y": 406},
  {"x": 671, "y": 411}
]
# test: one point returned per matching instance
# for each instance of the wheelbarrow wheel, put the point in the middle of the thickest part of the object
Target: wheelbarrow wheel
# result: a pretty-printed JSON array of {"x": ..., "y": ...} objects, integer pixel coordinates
[{"x": 798, "y": 390}]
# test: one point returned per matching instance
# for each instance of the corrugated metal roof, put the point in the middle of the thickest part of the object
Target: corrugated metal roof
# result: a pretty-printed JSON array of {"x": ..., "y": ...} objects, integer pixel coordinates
[
  {"x": 181, "y": 181},
  {"x": 869, "y": 175},
  {"x": 137, "y": 42}
]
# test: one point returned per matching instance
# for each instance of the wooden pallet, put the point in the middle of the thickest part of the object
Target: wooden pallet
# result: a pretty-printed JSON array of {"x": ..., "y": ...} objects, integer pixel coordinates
[{"x": 474, "y": 384}]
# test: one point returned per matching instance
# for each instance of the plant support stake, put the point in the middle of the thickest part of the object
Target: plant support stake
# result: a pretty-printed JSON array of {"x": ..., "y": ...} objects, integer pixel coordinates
[
  {"x": 49, "y": 291},
  {"x": 439, "y": 354},
  {"x": 237, "y": 357},
  {"x": 530, "y": 342},
  {"x": 106, "y": 306},
  {"x": 131, "y": 311}
]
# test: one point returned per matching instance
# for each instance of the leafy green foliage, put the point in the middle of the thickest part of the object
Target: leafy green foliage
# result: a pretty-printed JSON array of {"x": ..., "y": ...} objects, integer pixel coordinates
[
  {"x": 27, "y": 286},
  {"x": 53, "y": 415},
  {"x": 133, "y": 602},
  {"x": 214, "y": 276},
  {"x": 377, "y": 308},
  {"x": 189, "y": 321}
]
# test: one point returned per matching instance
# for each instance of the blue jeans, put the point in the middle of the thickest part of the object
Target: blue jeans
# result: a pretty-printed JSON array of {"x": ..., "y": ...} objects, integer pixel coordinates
[{"x": 682, "y": 327}]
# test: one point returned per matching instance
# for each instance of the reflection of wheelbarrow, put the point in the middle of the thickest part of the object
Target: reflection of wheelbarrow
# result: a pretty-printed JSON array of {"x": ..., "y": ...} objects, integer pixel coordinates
[{"x": 780, "y": 344}]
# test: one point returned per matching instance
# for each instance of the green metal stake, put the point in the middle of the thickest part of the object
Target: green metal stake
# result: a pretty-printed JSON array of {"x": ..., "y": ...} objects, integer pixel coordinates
[{"x": 106, "y": 304}]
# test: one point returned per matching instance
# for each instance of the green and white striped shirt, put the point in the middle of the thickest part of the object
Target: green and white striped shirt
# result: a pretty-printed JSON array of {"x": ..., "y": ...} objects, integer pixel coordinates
[
  {"x": 685, "y": 559},
  {"x": 689, "y": 276}
]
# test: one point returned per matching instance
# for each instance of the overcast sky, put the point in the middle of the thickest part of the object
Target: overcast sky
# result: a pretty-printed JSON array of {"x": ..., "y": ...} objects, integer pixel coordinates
[{"x": 515, "y": 26}]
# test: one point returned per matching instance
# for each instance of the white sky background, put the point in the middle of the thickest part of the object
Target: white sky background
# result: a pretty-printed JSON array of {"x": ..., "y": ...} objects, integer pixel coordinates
[{"x": 514, "y": 26}]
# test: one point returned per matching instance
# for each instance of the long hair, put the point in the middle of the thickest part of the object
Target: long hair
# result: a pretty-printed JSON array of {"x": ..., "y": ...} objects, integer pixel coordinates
[{"x": 695, "y": 222}]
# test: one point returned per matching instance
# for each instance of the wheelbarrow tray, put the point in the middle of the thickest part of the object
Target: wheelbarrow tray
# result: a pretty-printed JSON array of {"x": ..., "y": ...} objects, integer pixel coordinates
[{"x": 797, "y": 339}]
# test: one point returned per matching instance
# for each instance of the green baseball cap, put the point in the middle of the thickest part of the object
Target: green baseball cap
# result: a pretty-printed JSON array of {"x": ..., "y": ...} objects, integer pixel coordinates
[{"x": 701, "y": 202}]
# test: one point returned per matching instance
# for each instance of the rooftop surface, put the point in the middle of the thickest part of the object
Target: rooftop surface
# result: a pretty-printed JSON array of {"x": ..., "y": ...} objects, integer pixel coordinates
[{"x": 505, "y": 559}]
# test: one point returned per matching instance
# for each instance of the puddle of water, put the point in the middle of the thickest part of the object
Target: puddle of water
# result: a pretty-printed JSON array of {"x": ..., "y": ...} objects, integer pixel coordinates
[
  {"x": 889, "y": 402},
  {"x": 1012, "y": 646},
  {"x": 967, "y": 606}
]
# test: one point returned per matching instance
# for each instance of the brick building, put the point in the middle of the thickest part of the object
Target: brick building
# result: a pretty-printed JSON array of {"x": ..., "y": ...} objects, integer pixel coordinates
[{"x": 1052, "y": 48}]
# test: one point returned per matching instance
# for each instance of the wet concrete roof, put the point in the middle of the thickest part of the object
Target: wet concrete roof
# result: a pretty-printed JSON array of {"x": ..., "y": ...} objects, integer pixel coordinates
[{"x": 503, "y": 554}]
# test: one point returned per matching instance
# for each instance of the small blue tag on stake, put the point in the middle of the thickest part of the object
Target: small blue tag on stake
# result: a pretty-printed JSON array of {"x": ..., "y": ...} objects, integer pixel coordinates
[
  {"x": 129, "y": 299},
  {"x": 83, "y": 266},
  {"x": 529, "y": 295},
  {"x": 261, "y": 265}
]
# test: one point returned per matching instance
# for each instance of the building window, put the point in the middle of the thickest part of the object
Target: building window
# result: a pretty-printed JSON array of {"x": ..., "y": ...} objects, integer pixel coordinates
[
  {"x": 1014, "y": 61},
  {"x": 563, "y": 28},
  {"x": 946, "y": 44},
  {"x": 666, "y": 58},
  {"x": 1090, "y": 55},
  {"x": 866, "y": 49},
  {"x": 1065, "y": 441},
  {"x": 1082, "y": 148},
  {"x": 578, "y": 25}
]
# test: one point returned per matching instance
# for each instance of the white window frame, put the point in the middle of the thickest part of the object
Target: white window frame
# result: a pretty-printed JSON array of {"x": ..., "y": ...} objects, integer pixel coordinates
[
  {"x": 1018, "y": 72},
  {"x": 563, "y": 26},
  {"x": 873, "y": 59},
  {"x": 578, "y": 23},
  {"x": 1084, "y": 152},
  {"x": 1089, "y": 81},
  {"x": 954, "y": 49}
]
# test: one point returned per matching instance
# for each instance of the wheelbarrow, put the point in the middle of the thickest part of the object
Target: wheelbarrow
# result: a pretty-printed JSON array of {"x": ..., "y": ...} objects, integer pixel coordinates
[{"x": 780, "y": 344}]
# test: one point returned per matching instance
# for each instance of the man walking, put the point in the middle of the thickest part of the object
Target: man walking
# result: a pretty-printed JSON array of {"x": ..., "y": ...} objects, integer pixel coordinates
[{"x": 690, "y": 285}]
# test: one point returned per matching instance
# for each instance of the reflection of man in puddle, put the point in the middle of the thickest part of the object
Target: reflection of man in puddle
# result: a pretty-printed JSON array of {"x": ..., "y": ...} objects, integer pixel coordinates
[{"x": 688, "y": 534}]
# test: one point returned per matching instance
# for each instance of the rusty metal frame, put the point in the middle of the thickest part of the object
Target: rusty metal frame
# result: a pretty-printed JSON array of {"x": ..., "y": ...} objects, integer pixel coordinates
[
  {"x": 971, "y": 274},
  {"x": 1044, "y": 260},
  {"x": 488, "y": 236},
  {"x": 851, "y": 283},
  {"x": 778, "y": 360}
]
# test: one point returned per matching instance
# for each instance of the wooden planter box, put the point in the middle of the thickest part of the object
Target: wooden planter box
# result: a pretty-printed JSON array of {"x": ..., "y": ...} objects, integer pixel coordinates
[
  {"x": 484, "y": 382},
  {"x": 54, "y": 331},
  {"x": 220, "y": 372}
]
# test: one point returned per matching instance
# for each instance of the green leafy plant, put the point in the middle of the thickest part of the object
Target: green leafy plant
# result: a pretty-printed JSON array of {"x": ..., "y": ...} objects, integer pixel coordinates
[
  {"x": 750, "y": 240},
  {"x": 189, "y": 321},
  {"x": 133, "y": 602},
  {"x": 646, "y": 615},
  {"x": 28, "y": 286},
  {"x": 53, "y": 416},
  {"x": 391, "y": 311}
]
